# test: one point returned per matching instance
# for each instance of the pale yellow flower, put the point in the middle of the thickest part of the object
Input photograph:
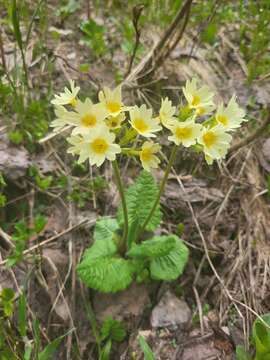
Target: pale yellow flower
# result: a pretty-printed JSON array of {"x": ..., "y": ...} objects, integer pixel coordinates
[
  {"x": 230, "y": 116},
  {"x": 88, "y": 116},
  {"x": 68, "y": 97},
  {"x": 96, "y": 146},
  {"x": 215, "y": 142},
  {"x": 198, "y": 98},
  {"x": 147, "y": 155},
  {"x": 63, "y": 118},
  {"x": 185, "y": 132},
  {"x": 166, "y": 112},
  {"x": 141, "y": 120},
  {"x": 112, "y": 100},
  {"x": 115, "y": 122}
]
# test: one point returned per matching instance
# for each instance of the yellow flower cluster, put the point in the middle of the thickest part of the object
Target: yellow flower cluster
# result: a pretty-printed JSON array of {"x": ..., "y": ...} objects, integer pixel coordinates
[{"x": 102, "y": 130}]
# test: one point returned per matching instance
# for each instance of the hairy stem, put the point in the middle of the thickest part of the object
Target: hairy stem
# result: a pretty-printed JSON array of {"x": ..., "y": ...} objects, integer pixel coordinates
[
  {"x": 161, "y": 188},
  {"x": 120, "y": 188}
]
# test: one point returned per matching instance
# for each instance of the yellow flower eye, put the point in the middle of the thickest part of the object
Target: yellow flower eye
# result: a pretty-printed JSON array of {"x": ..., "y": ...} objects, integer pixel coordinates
[
  {"x": 89, "y": 120},
  {"x": 146, "y": 155},
  {"x": 183, "y": 133},
  {"x": 99, "y": 146},
  {"x": 223, "y": 119},
  {"x": 209, "y": 138},
  {"x": 195, "y": 100},
  {"x": 73, "y": 102},
  {"x": 140, "y": 125},
  {"x": 113, "y": 106}
]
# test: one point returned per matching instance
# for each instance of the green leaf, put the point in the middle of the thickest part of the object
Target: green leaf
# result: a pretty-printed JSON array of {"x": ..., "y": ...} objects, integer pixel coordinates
[
  {"x": 39, "y": 223},
  {"x": 7, "y": 301},
  {"x": 22, "y": 315},
  {"x": 241, "y": 353},
  {"x": 101, "y": 267},
  {"x": 148, "y": 353},
  {"x": 28, "y": 352},
  {"x": 261, "y": 336},
  {"x": 51, "y": 348},
  {"x": 105, "y": 352},
  {"x": 156, "y": 247},
  {"x": 170, "y": 266},
  {"x": 105, "y": 228},
  {"x": 113, "y": 329},
  {"x": 140, "y": 198},
  {"x": 16, "y": 24},
  {"x": 106, "y": 274}
]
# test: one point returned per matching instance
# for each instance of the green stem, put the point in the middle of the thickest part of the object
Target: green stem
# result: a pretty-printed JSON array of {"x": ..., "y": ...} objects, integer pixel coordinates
[
  {"x": 120, "y": 188},
  {"x": 161, "y": 188}
]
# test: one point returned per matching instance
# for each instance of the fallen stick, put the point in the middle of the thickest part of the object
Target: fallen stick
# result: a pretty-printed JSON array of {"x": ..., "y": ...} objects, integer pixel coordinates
[{"x": 51, "y": 239}]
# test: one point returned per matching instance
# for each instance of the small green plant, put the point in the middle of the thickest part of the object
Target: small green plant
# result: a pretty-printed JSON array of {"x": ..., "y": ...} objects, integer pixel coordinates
[
  {"x": 94, "y": 36},
  {"x": 126, "y": 248},
  {"x": 22, "y": 233},
  {"x": 147, "y": 351},
  {"x": 261, "y": 341},
  {"x": 14, "y": 335},
  {"x": 3, "y": 198}
]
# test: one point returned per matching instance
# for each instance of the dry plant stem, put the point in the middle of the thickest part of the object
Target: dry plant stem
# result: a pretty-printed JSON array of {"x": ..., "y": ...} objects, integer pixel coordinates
[
  {"x": 207, "y": 255},
  {"x": 252, "y": 136},
  {"x": 161, "y": 188},
  {"x": 137, "y": 10},
  {"x": 51, "y": 239},
  {"x": 120, "y": 188},
  {"x": 178, "y": 38}
]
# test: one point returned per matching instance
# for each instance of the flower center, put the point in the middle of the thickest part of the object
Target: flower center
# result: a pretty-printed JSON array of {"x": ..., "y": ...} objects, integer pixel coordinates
[
  {"x": 195, "y": 100},
  {"x": 209, "y": 139},
  {"x": 73, "y": 102},
  {"x": 223, "y": 119},
  {"x": 112, "y": 122},
  {"x": 113, "y": 106},
  {"x": 200, "y": 111},
  {"x": 140, "y": 125},
  {"x": 89, "y": 120},
  {"x": 183, "y": 133},
  {"x": 146, "y": 155},
  {"x": 99, "y": 146}
]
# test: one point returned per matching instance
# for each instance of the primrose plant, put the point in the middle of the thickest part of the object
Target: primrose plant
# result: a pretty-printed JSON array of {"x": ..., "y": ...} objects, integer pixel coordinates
[{"x": 125, "y": 248}]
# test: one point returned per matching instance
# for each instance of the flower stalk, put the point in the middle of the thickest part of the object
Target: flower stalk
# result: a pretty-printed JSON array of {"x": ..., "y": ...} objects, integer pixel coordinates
[
  {"x": 119, "y": 184},
  {"x": 161, "y": 188}
]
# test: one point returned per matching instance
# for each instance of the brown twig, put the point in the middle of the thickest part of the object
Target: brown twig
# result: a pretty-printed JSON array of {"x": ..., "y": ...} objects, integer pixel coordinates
[
  {"x": 177, "y": 39},
  {"x": 51, "y": 239},
  {"x": 137, "y": 11},
  {"x": 94, "y": 82},
  {"x": 147, "y": 66},
  {"x": 257, "y": 133}
]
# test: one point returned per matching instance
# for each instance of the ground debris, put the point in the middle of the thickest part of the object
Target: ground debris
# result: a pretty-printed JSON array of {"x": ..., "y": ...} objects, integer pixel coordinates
[
  {"x": 170, "y": 312},
  {"x": 14, "y": 160},
  {"x": 196, "y": 190},
  {"x": 124, "y": 305}
]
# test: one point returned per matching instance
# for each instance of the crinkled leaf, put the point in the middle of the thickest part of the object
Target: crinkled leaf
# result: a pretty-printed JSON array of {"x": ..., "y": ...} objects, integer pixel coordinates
[
  {"x": 101, "y": 267},
  {"x": 104, "y": 244},
  {"x": 170, "y": 266},
  {"x": 105, "y": 228},
  {"x": 106, "y": 274},
  {"x": 140, "y": 198},
  {"x": 156, "y": 247}
]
